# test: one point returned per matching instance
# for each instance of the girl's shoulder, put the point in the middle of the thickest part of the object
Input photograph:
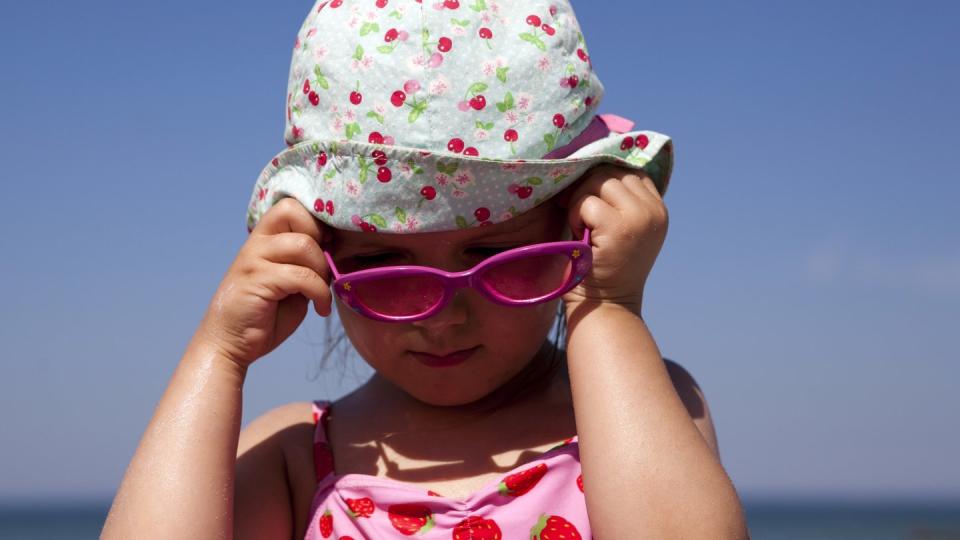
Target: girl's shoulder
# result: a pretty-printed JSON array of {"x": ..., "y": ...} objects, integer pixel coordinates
[
  {"x": 278, "y": 427},
  {"x": 274, "y": 478}
]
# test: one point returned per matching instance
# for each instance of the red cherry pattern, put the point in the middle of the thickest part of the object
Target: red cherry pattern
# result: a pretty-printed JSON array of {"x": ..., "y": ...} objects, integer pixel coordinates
[
  {"x": 428, "y": 192},
  {"x": 642, "y": 141},
  {"x": 455, "y": 145},
  {"x": 381, "y": 4},
  {"x": 478, "y": 102},
  {"x": 398, "y": 98},
  {"x": 322, "y": 159},
  {"x": 533, "y": 20},
  {"x": 485, "y": 33},
  {"x": 559, "y": 120},
  {"x": 470, "y": 151},
  {"x": 444, "y": 44},
  {"x": 375, "y": 138},
  {"x": 384, "y": 175},
  {"x": 548, "y": 29},
  {"x": 481, "y": 213},
  {"x": 314, "y": 98},
  {"x": 627, "y": 143},
  {"x": 451, "y": 4},
  {"x": 356, "y": 97},
  {"x": 379, "y": 157},
  {"x": 510, "y": 135},
  {"x": 320, "y": 207}
]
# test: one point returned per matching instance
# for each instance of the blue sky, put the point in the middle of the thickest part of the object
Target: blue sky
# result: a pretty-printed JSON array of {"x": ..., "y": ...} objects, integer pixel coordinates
[{"x": 810, "y": 279}]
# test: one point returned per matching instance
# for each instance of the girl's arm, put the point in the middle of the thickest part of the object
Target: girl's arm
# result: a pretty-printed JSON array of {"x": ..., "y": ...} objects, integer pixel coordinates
[
  {"x": 647, "y": 469},
  {"x": 180, "y": 481}
]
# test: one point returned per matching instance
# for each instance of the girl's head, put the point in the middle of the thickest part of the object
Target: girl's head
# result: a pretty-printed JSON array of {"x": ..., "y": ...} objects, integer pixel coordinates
[
  {"x": 502, "y": 340},
  {"x": 447, "y": 125}
]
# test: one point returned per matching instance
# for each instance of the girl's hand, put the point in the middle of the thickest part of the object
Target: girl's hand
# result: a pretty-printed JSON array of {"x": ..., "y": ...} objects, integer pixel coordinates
[
  {"x": 263, "y": 298},
  {"x": 628, "y": 224}
]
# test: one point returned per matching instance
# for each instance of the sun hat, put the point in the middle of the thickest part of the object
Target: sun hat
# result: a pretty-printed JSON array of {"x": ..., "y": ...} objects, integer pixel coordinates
[{"x": 407, "y": 116}]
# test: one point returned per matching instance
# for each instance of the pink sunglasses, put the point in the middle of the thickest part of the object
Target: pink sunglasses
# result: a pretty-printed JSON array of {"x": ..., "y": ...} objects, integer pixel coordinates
[{"x": 521, "y": 276}]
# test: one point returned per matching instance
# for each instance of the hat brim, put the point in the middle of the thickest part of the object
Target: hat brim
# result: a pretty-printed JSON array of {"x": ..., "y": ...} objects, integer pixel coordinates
[{"x": 394, "y": 189}]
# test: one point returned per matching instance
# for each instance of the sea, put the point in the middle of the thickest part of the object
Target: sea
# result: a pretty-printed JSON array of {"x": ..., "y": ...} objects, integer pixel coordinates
[{"x": 780, "y": 520}]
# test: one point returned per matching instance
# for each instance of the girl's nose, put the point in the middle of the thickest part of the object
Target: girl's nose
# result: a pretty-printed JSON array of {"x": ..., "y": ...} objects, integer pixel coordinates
[{"x": 456, "y": 312}]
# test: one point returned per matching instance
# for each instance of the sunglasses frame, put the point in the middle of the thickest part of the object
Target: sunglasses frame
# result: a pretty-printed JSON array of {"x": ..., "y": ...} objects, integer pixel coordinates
[{"x": 578, "y": 251}]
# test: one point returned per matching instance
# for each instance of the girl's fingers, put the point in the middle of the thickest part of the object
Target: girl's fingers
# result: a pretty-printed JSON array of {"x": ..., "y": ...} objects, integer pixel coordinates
[
  {"x": 288, "y": 215},
  {"x": 604, "y": 184},
  {"x": 590, "y": 212},
  {"x": 617, "y": 195},
  {"x": 585, "y": 189},
  {"x": 290, "y": 279},
  {"x": 294, "y": 248},
  {"x": 289, "y": 235},
  {"x": 642, "y": 185}
]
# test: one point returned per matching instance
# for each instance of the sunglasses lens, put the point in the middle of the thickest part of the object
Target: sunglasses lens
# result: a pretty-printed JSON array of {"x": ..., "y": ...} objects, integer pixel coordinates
[
  {"x": 399, "y": 296},
  {"x": 530, "y": 277}
]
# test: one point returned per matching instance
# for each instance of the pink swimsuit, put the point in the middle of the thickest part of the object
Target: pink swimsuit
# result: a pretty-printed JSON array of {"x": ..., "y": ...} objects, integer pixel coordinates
[{"x": 542, "y": 499}]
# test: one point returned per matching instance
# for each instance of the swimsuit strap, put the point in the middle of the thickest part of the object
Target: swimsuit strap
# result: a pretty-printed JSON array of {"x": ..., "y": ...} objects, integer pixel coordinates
[{"x": 322, "y": 454}]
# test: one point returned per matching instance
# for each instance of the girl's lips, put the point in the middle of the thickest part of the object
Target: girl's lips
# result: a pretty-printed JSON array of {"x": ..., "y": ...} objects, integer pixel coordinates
[{"x": 451, "y": 359}]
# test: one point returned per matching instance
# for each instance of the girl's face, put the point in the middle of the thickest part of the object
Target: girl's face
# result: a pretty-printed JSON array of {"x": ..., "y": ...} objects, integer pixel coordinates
[{"x": 505, "y": 338}]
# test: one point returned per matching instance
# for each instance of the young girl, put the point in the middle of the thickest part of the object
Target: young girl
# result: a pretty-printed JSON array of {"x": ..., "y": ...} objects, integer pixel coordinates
[{"x": 449, "y": 188}]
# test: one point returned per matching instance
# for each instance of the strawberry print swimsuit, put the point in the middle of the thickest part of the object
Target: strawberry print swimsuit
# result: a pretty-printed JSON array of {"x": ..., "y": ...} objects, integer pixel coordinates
[{"x": 542, "y": 499}]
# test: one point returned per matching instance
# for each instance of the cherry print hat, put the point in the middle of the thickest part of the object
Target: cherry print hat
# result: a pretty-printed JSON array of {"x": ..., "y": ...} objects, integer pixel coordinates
[{"x": 408, "y": 116}]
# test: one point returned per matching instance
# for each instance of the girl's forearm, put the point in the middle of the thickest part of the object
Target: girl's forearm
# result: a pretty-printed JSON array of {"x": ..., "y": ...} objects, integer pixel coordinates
[
  {"x": 180, "y": 481},
  {"x": 647, "y": 471}
]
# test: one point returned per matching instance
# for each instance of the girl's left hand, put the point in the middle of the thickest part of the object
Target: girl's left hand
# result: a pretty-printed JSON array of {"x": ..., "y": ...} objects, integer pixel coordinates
[{"x": 628, "y": 224}]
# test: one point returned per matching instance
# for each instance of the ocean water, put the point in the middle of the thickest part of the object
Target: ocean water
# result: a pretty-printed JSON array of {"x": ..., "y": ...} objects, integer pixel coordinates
[
  {"x": 767, "y": 521},
  {"x": 58, "y": 521},
  {"x": 853, "y": 520}
]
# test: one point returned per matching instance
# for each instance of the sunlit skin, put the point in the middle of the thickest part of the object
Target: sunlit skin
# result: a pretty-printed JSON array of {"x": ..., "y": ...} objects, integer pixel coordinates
[
  {"x": 647, "y": 464},
  {"x": 509, "y": 337}
]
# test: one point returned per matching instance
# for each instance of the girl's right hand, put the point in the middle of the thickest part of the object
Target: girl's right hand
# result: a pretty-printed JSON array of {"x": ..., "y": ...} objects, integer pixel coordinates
[{"x": 264, "y": 296}]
